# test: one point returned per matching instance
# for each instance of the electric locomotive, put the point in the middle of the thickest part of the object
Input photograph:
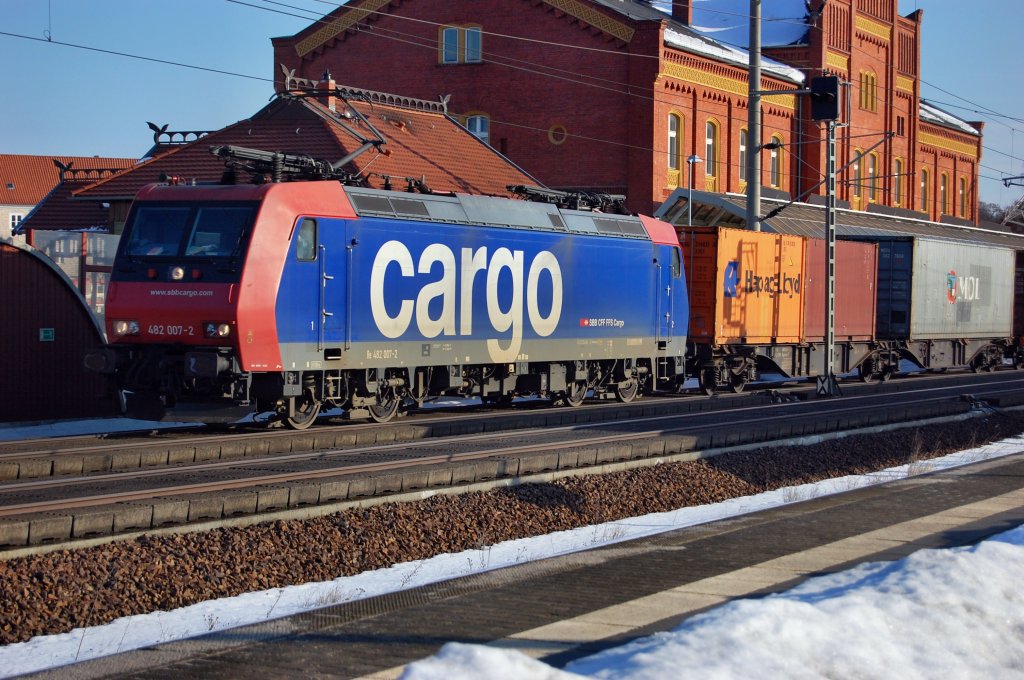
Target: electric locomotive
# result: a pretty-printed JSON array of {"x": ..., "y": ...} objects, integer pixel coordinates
[{"x": 289, "y": 298}]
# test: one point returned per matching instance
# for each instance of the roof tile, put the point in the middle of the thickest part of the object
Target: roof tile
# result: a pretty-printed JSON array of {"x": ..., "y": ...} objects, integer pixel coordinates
[
  {"x": 421, "y": 144},
  {"x": 26, "y": 180}
]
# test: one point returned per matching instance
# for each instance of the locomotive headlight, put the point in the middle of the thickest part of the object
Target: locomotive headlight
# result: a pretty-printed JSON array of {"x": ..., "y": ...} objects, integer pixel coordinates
[
  {"x": 177, "y": 273},
  {"x": 122, "y": 327},
  {"x": 213, "y": 329}
]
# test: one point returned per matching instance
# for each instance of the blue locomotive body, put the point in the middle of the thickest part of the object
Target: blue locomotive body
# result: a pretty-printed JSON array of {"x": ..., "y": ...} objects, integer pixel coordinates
[{"x": 373, "y": 301}]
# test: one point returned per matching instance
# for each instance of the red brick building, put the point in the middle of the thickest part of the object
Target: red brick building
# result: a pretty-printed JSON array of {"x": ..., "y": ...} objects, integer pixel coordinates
[
  {"x": 931, "y": 163},
  {"x": 615, "y": 95}
]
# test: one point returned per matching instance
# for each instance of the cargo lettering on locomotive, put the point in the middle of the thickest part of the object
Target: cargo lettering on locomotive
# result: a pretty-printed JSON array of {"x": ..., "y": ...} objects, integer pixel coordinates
[{"x": 472, "y": 263}]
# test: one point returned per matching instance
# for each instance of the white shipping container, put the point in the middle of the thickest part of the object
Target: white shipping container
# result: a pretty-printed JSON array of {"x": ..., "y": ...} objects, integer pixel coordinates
[{"x": 961, "y": 290}]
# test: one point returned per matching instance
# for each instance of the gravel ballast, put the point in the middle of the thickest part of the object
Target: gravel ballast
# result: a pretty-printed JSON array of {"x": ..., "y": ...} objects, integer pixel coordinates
[{"x": 59, "y": 591}]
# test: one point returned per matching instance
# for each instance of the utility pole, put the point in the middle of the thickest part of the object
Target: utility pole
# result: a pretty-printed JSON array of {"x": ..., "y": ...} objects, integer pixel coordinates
[
  {"x": 754, "y": 120},
  {"x": 827, "y": 382},
  {"x": 825, "y": 102}
]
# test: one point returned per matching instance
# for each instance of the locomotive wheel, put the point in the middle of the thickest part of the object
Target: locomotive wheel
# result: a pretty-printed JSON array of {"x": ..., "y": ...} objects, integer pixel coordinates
[
  {"x": 626, "y": 392},
  {"x": 707, "y": 381},
  {"x": 737, "y": 383},
  {"x": 306, "y": 411},
  {"x": 576, "y": 393},
  {"x": 386, "y": 406}
]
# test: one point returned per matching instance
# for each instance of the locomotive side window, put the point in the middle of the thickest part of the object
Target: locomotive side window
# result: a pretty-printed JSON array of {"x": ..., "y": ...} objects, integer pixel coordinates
[
  {"x": 677, "y": 263},
  {"x": 218, "y": 231},
  {"x": 157, "y": 231},
  {"x": 305, "y": 248}
]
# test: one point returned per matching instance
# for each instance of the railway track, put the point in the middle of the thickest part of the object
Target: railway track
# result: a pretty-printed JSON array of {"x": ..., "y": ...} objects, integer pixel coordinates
[{"x": 302, "y": 470}]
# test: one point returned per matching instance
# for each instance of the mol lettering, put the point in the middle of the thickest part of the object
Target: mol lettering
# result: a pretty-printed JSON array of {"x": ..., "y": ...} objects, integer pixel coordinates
[
  {"x": 442, "y": 273},
  {"x": 964, "y": 288}
]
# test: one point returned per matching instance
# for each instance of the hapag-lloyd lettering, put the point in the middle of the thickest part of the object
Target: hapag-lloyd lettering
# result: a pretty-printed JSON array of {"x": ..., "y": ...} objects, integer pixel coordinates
[
  {"x": 771, "y": 285},
  {"x": 461, "y": 277}
]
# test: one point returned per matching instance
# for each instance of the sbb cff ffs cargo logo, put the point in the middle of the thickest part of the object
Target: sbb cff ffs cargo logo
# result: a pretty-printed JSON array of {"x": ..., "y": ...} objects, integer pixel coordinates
[{"x": 464, "y": 269}]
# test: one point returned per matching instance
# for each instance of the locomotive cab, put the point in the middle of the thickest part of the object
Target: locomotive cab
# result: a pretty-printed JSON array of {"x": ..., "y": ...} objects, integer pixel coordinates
[
  {"x": 173, "y": 304},
  {"x": 191, "y": 307}
]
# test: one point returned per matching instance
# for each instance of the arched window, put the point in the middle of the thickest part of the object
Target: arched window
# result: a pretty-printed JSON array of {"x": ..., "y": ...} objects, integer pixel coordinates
[
  {"x": 775, "y": 162},
  {"x": 480, "y": 125},
  {"x": 711, "y": 149},
  {"x": 856, "y": 173},
  {"x": 897, "y": 182},
  {"x": 944, "y": 194},
  {"x": 963, "y": 197},
  {"x": 924, "y": 191},
  {"x": 872, "y": 176},
  {"x": 674, "y": 127},
  {"x": 743, "y": 155},
  {"x": 868, "y": 91}
]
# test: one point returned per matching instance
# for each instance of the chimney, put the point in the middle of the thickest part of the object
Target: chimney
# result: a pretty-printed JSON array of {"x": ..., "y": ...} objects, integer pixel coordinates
[
  {"x": 682, "y": 11},
  {"x": 326, "y": 88}
]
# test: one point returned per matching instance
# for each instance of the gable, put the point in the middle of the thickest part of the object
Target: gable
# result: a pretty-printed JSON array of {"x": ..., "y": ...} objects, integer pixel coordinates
[{"x": 328, "y": 29}]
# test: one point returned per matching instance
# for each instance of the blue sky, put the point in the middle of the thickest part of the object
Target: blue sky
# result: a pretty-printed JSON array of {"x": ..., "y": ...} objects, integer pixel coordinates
[{"x": 63, "y": 100}]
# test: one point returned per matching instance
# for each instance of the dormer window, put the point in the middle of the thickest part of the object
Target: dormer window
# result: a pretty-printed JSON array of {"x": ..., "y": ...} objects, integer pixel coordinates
[
  {"x": 460, "y": 45},
  {"x": 10, "y": 185},
  {"x": 479, "y": 125}
]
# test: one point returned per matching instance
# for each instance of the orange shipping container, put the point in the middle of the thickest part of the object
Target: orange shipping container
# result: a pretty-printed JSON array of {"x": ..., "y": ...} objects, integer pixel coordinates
[{"x": 746, "y": 287}]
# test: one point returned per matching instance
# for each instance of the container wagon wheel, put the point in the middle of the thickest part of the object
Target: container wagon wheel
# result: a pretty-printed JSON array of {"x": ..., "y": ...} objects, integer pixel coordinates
[
  {"x": 386, "y": 406},
  {"x": 866, "y": 372},
  {"x": 737, "y": 382},
  {"x": 626, "y": 391},
  {"x": 576, "y": 393},
  {"x": 708, "y": 381},
  {"x": 981, "y": 365},
  {"x": 306, "y": 410}
]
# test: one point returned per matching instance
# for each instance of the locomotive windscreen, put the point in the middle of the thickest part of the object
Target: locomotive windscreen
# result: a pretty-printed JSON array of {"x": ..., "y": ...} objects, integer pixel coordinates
[{"x": 188, "y": 231}]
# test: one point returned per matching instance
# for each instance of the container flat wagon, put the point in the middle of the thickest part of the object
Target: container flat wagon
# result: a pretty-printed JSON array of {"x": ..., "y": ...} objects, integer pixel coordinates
[
  {"x": 758, "y": 305},
  {"x": 944, "y": 304}
]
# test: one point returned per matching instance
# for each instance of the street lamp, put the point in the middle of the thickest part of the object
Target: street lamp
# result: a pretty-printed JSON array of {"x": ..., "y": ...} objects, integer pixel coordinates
[{"x": 691, "y": 161}]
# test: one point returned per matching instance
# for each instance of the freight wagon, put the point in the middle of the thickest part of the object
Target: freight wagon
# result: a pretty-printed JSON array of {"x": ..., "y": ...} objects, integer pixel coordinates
[
  {"x": 758, "y": 300},
  {"x": 943, "y": 304}
]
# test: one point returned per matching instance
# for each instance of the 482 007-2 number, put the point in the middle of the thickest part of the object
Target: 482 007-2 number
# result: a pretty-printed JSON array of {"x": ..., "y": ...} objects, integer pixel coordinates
[{"x": 160, "y": 329}]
